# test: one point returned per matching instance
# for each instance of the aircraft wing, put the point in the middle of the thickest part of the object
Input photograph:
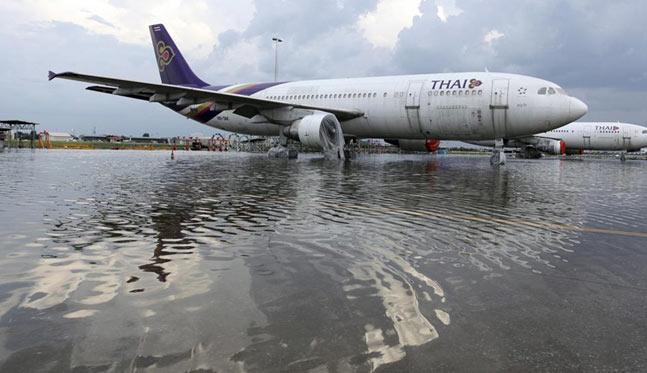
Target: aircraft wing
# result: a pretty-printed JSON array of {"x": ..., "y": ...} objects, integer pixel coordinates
[{"x": 242, "y": 105}]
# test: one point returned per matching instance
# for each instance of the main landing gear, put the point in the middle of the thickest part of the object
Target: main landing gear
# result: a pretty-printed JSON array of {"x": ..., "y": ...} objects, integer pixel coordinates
[
  {"x": 283, "y": 149},
  {"x": 498, "y": 157}
]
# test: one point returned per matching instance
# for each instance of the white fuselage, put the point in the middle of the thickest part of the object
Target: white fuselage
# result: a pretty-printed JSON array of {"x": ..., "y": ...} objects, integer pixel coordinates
[
  {"x": 600, "y": 136},
  {"x": 452, "y": 106}
]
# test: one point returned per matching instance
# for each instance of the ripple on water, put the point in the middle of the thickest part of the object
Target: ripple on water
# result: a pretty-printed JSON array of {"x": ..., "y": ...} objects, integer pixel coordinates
[{"x": 245, "y": 258}]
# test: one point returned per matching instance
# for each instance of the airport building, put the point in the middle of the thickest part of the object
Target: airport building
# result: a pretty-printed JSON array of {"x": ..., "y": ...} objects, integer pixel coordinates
[{"x": 60, "y": 136}]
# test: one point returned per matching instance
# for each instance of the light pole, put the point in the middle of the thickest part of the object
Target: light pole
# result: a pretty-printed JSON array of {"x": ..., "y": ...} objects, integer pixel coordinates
[{"x": 276, "y": 56}]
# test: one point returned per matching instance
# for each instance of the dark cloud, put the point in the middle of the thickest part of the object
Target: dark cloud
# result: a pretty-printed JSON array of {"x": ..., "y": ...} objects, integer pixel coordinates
[{"x": 578, "y": 43}]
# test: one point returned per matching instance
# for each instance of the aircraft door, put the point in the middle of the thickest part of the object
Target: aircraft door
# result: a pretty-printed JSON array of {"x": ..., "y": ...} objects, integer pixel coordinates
[
  {"x": 499, "y": 107},
  {"x": 412, "y": 105},
  {"x": 586, "y": 138}
]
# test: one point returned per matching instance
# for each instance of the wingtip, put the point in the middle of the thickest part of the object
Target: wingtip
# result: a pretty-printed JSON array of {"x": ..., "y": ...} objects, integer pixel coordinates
[{"x": 51, "y": 75}]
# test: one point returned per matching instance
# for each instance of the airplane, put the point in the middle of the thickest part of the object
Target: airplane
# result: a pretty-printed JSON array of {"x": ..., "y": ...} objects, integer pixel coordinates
[
  {"x": 573, "y": 138},
  {"x": 321, "y": 113}
]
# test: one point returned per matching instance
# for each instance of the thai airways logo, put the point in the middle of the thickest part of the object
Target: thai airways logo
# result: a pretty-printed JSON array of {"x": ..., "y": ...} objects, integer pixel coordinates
[
  {"x": 165, "y": 55},
  {"x": 456, "y": 84},
  {"x": 607, "y": 128},
  {"x": 475, "y": 83}
]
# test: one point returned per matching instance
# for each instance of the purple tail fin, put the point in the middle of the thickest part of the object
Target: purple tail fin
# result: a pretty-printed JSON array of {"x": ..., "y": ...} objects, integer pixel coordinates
[{"x": 172, "y": 65}]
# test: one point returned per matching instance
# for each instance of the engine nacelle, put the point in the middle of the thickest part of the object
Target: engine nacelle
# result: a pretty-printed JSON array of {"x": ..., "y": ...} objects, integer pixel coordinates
[
  {"x": 551, "y": 146},
  {"x": 428, "y": 145},
  {"x": 319, "y": 130}
]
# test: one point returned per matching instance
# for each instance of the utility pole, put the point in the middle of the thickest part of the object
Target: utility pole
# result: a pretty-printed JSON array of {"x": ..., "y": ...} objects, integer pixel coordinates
[{"x": 276, "y": 56}]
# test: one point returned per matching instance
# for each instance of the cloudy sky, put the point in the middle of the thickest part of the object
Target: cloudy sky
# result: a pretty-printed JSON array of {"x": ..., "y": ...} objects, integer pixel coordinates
[{"x": 596, "y": 49}]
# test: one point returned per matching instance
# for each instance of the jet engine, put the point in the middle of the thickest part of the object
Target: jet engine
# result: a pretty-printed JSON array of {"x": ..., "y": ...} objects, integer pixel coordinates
[
  {"x": 428, "y": 145},
  {"x": 551, "y": 146},
  {"x": 319, "y": 130}
]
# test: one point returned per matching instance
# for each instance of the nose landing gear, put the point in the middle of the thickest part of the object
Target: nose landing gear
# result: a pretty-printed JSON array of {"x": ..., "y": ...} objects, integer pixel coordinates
[{"x": 498, "y": 157}]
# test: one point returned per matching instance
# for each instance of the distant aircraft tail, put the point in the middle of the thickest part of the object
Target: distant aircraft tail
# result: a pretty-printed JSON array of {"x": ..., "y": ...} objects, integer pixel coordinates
[{"x": 173, "y": 67}]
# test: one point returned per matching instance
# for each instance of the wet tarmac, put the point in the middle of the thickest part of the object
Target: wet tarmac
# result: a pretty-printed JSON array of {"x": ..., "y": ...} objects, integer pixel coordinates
[{"x": 129, "y": 261}]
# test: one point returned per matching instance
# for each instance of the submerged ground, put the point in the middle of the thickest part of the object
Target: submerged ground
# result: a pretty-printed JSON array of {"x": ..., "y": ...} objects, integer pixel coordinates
[{"x": 226, "y": 262}]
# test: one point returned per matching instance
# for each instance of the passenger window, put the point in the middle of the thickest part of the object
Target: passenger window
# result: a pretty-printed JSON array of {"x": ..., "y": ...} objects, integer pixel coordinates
[
  {"x": 551, "y": 91},
  {"x": 480, "y": 92},
  {"x": 354, "y": 95},
  {"x": 385, "y": 94},
  {"x": 645, "y": 132},
  {"x": 442, "y": 93},
  {"x": 460, "y": 93},
  {"x": 542, "y": 91}
]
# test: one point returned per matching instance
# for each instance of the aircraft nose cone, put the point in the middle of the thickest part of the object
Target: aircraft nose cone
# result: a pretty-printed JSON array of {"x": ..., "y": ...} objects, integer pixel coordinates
[{"x": 577, "y": 109}]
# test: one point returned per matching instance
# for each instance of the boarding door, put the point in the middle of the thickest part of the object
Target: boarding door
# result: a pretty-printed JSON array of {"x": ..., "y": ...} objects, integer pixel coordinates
[
  {"x": 499, "y": 106},
  {"x": 586, "y": 137},
  {"x": 626, "y": 138},
  {"x": 413, "y": 105}
]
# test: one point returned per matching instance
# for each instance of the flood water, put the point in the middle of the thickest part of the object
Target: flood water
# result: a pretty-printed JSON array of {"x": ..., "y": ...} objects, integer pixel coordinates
[{"x": 131, "y": 261}]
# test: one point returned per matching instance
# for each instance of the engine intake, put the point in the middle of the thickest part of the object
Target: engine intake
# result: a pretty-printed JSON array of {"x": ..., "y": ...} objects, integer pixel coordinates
[{"x": 319, "y": 130}]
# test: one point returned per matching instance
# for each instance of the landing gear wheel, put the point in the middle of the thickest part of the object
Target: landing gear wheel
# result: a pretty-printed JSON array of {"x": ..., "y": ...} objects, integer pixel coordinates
[
  {"x": 283, "y": 149},
  {"x": 623, "y": 157},
  {"x": 498, "y": 157}
]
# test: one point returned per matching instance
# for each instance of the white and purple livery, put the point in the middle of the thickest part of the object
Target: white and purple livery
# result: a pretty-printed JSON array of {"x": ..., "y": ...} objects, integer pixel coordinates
[{"x": 321, "y": 113}]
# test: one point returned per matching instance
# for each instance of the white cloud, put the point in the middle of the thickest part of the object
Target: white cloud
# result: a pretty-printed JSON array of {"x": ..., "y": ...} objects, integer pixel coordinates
[
  {"x": 382, "y": 26},
  {"x": 491, "y": 36},
  {"x": 446, "y": 9},
  {"x": 196, "y": 24}
]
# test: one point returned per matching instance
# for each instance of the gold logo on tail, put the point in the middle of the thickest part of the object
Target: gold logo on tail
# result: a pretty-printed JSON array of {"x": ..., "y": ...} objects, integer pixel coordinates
[{"x": 165, "y": 55}]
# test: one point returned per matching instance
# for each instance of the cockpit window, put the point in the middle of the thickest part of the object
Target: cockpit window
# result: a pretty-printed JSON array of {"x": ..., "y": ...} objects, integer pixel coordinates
[
  {"x": 551, "y": 91},
  {"x": 542, "y": 91}
]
